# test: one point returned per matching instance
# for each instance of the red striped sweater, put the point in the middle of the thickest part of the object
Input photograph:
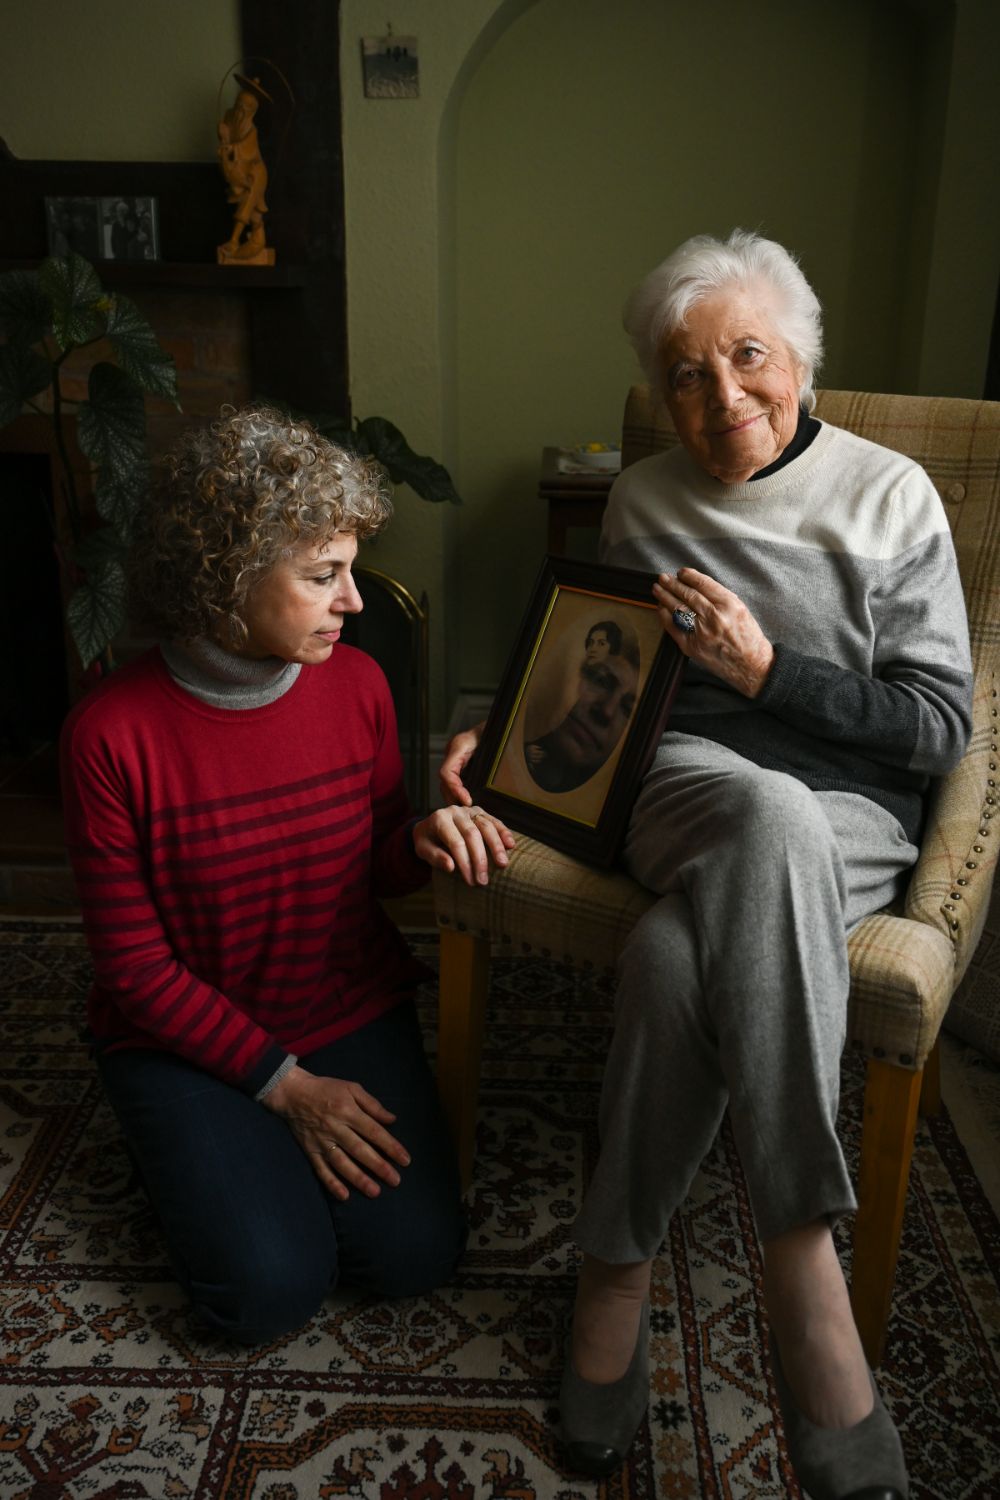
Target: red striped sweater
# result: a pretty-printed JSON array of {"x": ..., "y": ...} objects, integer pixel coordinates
[{"x": 228, "y": 863}]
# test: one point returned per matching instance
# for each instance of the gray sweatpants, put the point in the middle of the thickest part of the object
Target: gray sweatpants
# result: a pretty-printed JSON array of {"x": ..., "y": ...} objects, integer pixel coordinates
[{"x": 732, "y": 990}]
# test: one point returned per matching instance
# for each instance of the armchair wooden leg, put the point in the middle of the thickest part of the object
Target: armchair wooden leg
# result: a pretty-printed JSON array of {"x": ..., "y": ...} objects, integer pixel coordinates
[
  {"x": 930, "y": 1087},
  {"x": 465, "y": 972},
  {"x": 890, "y": 1117}
]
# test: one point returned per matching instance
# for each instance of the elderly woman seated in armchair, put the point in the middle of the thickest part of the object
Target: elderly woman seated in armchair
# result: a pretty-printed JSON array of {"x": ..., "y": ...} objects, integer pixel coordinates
[{"x": 809, "y": 577}]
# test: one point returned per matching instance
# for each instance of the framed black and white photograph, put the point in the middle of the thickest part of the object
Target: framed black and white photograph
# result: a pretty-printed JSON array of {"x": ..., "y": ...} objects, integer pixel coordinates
[
  {"x": 130, "y": 229},
  {"x": 74, "y": 224},
  {"x": 390, "y": 67},
  {"x": 583, "y": 701}
]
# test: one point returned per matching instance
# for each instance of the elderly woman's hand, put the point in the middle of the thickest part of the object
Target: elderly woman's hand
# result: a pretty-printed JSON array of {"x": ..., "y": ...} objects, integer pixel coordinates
[
  {"x": 456, "y": 758},
  {"x": 463, "y": 839},
  {"x": 726, "y": 639}
]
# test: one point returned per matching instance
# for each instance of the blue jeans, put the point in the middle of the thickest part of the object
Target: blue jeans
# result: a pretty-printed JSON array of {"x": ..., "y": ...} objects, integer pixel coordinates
[{"x": 255, "y": 1239}]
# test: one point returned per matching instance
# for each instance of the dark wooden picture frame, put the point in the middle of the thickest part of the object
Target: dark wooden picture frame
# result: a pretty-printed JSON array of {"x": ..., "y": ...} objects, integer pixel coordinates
[
  {"x": 130, "y": 228},
  {"x": 583, "y": 701},
  {"x": 73, "y": 223}
]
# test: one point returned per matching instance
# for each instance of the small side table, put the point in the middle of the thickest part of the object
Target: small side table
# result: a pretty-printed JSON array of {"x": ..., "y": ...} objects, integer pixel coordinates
[{"x": 572, "y": 499}]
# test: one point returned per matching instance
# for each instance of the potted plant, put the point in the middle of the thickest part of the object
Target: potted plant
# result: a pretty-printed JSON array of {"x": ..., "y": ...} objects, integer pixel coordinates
[
  {"x": 46, "y": 316},
  {"x": 378, "y": 438}
]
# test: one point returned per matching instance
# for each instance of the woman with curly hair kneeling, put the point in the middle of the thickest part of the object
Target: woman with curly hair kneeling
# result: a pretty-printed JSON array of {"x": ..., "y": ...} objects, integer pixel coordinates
[{"x": 235, "y": 807}]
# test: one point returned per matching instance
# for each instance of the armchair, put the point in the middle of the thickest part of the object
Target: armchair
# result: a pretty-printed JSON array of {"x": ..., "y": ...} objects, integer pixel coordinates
[{"x": 905, "y": 961}]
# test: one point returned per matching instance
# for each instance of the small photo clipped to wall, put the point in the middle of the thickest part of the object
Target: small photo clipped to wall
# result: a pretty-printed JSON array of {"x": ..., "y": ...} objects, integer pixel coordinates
[{"x": 390, "y": 66}]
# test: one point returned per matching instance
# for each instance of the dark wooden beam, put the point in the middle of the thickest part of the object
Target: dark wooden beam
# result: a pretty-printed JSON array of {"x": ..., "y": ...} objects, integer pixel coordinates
[
  {"x": 300, "y": 335},
  {"x": 298, "y": 321}
]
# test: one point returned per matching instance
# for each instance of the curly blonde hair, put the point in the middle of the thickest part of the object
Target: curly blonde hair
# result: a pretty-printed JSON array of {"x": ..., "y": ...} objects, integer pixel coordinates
[{"x": 227, "y": 503}]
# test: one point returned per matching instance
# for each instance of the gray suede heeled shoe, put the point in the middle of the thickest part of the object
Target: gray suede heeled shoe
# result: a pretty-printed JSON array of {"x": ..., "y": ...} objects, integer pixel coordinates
[
  {"x": 863, "y": 1462},
  {"x": 600, "y": 1421}
]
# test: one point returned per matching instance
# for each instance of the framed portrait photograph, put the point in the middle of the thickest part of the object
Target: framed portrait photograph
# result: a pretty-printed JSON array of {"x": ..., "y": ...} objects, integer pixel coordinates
[
  {"x": 130, "y": 229},
  {"x": 583, "y": 701},
  {"x": 74, "y": 224}
]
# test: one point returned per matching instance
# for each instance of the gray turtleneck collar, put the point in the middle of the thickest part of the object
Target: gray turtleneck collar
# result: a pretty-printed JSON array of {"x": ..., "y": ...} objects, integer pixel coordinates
[{"x": 225, "y": 680}]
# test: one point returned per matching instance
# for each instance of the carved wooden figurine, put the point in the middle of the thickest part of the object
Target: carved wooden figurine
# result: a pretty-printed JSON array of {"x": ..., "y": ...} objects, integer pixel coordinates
[{"x": 246, "y": 176}]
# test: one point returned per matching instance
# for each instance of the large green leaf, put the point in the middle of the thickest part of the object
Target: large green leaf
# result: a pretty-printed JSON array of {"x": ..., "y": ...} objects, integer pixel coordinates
[
  {"x": 335, "y": 430},
  {"x": 23, "y": 373},
  {"x": 97, "y": 610},
  {"x": 78, "y": 301},
  {"x": 111, "y": 424},
  {"x": 25, "y": 314},
  {"x": 137, "y": 351},
  {"x": 117, "y": 498},
  {"x": 381, "y": 439},
  {"x": 385, "y": 442},
  {"x": 326, "y": 423}
]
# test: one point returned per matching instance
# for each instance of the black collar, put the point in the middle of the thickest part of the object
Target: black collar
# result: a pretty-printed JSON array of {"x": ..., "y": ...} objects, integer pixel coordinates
[{"x": 804, "y": 433}]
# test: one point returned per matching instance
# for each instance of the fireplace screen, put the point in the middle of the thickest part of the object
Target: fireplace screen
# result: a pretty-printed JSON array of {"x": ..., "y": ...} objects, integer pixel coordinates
[{"x": 393, "y": 629}]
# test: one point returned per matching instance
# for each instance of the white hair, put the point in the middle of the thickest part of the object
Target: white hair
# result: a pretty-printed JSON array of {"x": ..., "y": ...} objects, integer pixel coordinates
[{"x": 703, "y": 265}]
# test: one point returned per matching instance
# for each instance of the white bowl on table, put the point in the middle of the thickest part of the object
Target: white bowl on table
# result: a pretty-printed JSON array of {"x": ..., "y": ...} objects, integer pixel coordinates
[{"x": 608, "y": 457}]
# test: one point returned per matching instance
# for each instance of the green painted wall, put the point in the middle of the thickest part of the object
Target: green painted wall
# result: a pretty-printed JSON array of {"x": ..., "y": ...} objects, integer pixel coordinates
[
  {"x": 399, "y": 184},
  {"x": 575, "y": 144},
  {"x": 557, "y": 150},
  {"x": 593, "y": 138},
  {"x": 962, "y": 234},
  {"x": 114, "y": 80}
]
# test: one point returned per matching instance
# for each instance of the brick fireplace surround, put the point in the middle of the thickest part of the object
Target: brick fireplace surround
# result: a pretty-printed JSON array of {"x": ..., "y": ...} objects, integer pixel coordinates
[
  {"x": 234, "y": 332},
  {"x": 207, "y": 333}
]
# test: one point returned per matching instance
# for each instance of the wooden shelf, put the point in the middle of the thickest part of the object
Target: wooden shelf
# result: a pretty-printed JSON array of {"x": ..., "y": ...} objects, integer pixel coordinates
[
  {"x": 298, "y": 341},
  {"x": 206, "y": 274}
]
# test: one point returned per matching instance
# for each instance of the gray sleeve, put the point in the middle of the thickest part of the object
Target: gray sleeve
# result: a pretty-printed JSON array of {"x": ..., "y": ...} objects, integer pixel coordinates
[
  {"x": 914, "y": 709},
  {"x": 917, "y": 718},
  {"x": 276, "y": 1077}
]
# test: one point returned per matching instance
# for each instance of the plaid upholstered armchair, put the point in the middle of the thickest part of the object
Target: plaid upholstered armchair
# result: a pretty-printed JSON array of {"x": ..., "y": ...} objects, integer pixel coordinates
[{"x": 905, "y": 962}]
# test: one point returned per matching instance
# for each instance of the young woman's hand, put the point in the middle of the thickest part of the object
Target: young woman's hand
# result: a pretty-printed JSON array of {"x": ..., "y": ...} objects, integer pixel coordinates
[
  {"x": 341, "y": 1128},
  {"x": 456, "y": 758},
  {"x": 465, "y": 839}
]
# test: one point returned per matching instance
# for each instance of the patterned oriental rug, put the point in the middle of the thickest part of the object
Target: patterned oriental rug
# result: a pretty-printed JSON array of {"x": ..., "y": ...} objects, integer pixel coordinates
[{"x": 106, "y": 1392}]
